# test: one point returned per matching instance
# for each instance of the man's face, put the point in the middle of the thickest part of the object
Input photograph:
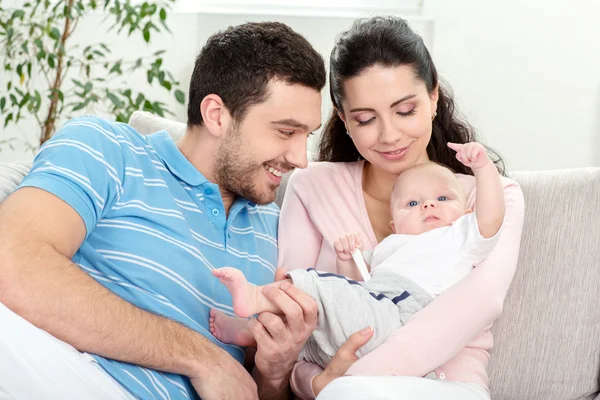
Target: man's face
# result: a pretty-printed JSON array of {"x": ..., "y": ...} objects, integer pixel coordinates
[{"x": 268, "y": 142}]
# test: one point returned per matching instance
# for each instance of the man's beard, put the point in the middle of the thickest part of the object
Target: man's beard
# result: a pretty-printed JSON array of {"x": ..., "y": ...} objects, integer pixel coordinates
[{"x": 237, "y": 173}]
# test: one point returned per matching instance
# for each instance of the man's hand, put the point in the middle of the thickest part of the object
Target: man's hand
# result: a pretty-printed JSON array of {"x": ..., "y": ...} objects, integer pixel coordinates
[
  {"x": 472, "y": 154},
  {"x": 280, "y": 339},
  {"x": 343, "y": 359},
  {"x": 224, "y": 378}
]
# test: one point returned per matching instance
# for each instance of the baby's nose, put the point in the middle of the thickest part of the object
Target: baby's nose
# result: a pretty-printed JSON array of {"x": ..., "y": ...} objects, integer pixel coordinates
[{"x": 429, "y": 204}]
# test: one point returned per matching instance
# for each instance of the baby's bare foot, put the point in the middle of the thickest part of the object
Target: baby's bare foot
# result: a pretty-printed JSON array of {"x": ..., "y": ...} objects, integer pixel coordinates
[
  {"x": 230, "y": 329},
  {"x": 241, "y": 291}
]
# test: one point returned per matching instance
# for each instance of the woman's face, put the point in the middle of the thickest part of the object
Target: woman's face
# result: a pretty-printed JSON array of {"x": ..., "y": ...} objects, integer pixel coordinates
[{"x": 388, "y": 112}]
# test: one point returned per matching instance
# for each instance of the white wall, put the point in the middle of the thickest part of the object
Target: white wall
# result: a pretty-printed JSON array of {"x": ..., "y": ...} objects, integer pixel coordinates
[{"x": 526, "y": 73}]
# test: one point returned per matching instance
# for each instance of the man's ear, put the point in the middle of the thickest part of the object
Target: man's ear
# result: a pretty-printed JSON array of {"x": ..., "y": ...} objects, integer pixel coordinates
[
  {"x": 393, "y": 226},
  {"x": 469, "y": 211},
  {"x": 215, "y": 116}
]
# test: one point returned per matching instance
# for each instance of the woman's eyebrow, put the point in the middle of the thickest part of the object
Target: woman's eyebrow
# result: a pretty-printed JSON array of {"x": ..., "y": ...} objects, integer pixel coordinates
[{"x": 394, "y": 104}]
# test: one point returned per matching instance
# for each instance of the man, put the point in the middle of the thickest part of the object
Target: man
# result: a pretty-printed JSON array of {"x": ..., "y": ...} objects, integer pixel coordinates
[{"x": 107, "y": 247}]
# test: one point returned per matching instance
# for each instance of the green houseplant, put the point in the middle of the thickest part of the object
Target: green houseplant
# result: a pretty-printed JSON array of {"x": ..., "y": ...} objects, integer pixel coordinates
[{"x": 46, "y": 77}]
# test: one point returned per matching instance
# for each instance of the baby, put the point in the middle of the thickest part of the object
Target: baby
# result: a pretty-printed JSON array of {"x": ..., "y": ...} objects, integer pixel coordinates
[{"x": 437, "y": 241}]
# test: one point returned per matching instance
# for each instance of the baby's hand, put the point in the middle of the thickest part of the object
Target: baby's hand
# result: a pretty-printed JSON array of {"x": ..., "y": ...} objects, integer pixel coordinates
[
  {"x": 472, "y": 154},
  {"x": 345, "y": 245}
]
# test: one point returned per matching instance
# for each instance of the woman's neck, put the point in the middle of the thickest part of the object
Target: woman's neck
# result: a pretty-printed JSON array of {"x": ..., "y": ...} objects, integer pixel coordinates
[{"x": 377, "y": 183}]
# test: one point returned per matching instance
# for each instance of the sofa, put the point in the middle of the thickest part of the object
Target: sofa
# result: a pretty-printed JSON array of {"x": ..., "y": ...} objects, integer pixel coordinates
[{"x": 548, "y": 338}]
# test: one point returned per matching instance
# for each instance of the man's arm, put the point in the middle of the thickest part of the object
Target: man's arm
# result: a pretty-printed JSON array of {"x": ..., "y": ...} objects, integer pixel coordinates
[
  {"x": 39, "y": 233},
  {"x": 279, "y": 340}
]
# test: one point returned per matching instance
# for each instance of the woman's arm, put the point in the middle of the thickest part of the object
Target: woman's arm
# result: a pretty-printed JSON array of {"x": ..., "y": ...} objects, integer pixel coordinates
[
  {"x": 299, "y": 240},
  {"x": 438, "y": 332},
  {"x": 299, "y": 244}
]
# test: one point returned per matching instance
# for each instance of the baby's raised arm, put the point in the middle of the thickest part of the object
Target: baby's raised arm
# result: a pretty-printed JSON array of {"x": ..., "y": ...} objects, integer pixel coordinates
[{"x": 489, "y": 204}]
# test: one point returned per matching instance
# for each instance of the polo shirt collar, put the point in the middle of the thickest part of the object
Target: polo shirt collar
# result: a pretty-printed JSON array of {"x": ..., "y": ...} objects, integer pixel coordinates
[{"x": 179, "y": 166}]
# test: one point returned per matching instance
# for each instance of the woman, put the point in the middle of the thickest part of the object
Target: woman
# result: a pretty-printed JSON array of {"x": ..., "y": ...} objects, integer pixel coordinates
[{"x": 390, "y": 114}]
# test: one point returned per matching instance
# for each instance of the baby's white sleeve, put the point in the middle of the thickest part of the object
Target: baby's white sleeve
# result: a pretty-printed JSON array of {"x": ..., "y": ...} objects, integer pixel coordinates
[{"x": 469, "y": 241}]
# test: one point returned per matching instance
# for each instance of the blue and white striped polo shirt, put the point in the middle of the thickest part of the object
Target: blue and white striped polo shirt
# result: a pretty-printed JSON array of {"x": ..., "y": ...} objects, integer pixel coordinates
[{"x": 155, "y": 230}]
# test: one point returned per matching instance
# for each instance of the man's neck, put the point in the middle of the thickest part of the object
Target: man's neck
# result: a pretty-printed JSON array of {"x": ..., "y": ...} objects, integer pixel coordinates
[{"x": 200, "y": 148}]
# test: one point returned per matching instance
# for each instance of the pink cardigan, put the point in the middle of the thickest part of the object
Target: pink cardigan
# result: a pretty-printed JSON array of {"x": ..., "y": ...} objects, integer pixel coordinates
[{"x": 450, "y": 336}]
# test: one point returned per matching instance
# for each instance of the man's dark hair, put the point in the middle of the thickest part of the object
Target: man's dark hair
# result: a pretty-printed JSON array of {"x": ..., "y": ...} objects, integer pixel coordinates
[{"x": 238, "y": 63}]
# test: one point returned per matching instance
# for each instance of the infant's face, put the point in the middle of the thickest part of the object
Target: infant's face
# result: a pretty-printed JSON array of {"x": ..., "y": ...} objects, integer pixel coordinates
[{"x": 426, "y": 198}]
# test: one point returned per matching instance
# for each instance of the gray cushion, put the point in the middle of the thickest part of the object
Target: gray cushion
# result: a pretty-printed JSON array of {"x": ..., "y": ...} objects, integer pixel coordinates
[
  {"x": 11, "y": 175},
  {"x": 146, "y": 123},
  {"x": 548, "y": 338}
]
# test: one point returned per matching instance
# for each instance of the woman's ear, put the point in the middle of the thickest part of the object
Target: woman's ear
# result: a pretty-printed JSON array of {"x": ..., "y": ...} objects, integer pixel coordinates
[
  {"x": 343, "y": 118},
  {"x": 434, "y": 96},
  {"x": 393, "y": 226},
  {"x": 215, "y": 116}
]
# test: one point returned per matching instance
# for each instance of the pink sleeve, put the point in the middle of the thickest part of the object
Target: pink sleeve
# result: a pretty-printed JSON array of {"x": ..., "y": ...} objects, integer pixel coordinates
[
  {"x": 302, "y": 376},
  {"x": 299, "y": 246},
  {"x": 439, "y": 331},
  {"x": 298, "y": 239}
]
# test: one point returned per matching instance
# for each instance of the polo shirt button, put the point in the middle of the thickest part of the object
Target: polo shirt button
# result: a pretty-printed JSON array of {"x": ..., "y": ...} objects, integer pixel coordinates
[
  {"x": 215, "y": 212},
  {"x": 229, "y": 235},
  {"x": 208, "y": 191},
  {"x": 442, "y": 376}
]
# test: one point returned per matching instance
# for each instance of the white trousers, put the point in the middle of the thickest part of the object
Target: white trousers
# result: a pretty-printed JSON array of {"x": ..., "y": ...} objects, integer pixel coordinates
[
  {"x": 35, "y": 365},
  {"x": 400, "y": 388}
]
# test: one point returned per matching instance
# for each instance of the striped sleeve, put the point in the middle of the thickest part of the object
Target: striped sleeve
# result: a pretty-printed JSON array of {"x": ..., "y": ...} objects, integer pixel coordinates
[{"x": 82, "y": 165}]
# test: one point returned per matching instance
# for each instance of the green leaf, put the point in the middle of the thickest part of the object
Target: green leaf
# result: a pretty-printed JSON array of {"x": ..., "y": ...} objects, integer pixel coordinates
[
  {"x": 61, "y": 96},
  {"x": 51, "y": 62},
  {"x": 54, "y": 34},
  {"x": 159, "y": 52},
  {"x": 180, "y": 96},
  {"x": 78, "y": 83},
  {"x": 2, "y": 103},
  {"x": 163, "y": 14},
  {"x": 13, "y": 100},
  {"x": 20, "y": 69},
  {"x": 167, "y": 85},
  {"x": 114, "y": 99},
  {"x": 8, "y": 119},
  {"x": 139, "y": 100},
  {"x": 24, "y": 100},
  {"x": 29, "y": 69},
  {"x": 164, "y": 24},
  {"x": 41, "y": 55},
  {"x": 39, "y": 44},
  {"x": 24, "y": 46},
  {"x": 116, "y": 68},
  {"x": 79, "y": 106},
  {"x": 150, "y": 76},
  {"x": 147, "y": 35},
  {"x": 88, "y": 87},
  {"x": 18, "y": 14}
]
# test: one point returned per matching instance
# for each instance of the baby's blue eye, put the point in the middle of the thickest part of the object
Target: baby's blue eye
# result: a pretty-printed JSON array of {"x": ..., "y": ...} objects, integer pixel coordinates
[
  {"x": 442, "y": 198},
  {"x": 413, "y": 203}
]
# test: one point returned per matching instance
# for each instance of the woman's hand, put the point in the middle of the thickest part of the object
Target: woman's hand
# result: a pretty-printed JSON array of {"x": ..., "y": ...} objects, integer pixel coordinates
[{"x": 343, "y": 359}]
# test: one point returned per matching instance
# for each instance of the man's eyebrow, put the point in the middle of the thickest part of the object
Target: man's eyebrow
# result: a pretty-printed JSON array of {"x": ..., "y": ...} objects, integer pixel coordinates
[
  {"x": 293, "y": 123},
  {"x": 394, "y": 104}
]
